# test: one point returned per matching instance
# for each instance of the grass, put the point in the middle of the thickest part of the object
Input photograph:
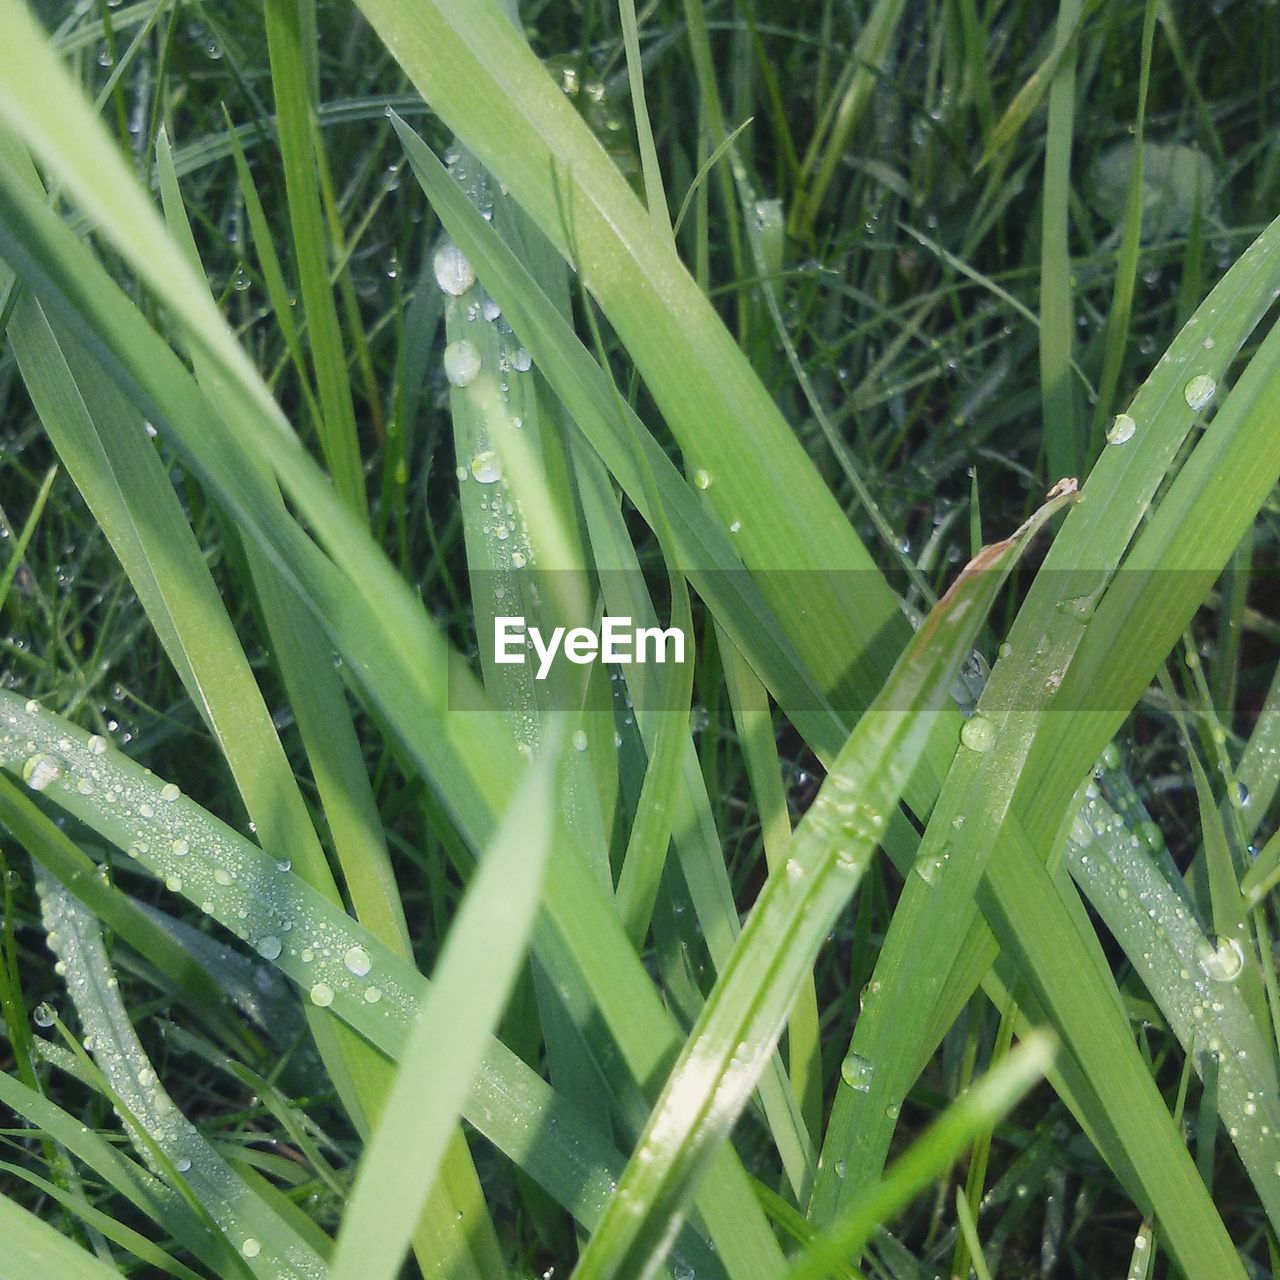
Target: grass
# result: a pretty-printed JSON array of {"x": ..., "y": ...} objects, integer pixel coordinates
[{"x": 921, "y": 922}]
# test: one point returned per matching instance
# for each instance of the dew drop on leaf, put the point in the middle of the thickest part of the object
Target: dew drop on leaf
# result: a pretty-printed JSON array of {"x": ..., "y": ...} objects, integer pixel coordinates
[
  {"x": 978, "y": 733},
  {"x": 40, "y": 771},
  {"x": 453, "y": 272},
  {"x": 461, "y": 362},
  {"x": 1199, "y": 391},
  {"x": 1121, "y": 429},
  {"x": 487, "y": 467},
  {"x": 857, "y": 1073},
  {"x": 1221, "y": 958}
]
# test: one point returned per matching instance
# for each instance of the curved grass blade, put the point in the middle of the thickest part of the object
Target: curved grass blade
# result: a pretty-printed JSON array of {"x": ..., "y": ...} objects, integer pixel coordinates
[
  {"x": 156, "y": 1199},
  {"x": 168, "y": 1140},
  {"x": 736, "y": 1033},
  {"x": 308, "y": 938},
  {"x": 1142, "y": 900},
  {"x": 104, "y": 1224}
]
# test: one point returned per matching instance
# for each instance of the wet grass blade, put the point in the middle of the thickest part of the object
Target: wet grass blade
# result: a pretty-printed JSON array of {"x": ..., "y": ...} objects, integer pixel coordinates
[
  {"x": 986, "y": 1102},
  {"x": 167, "y": 1140},
  {"x": 250, "y": 895},
  {"x": 738, "y": 1029}
]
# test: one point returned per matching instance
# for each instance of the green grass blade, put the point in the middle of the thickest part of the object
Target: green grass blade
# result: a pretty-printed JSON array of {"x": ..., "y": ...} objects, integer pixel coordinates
[
  {"x": 1063, "y": 434},
  {"x": 985, "y": 1103},
  {"x": 152, "y": 1197},
  {"x": 1189, "y": 978},
  {"x": 707, "y": 553},
  {"x": 24, "y": 538},
  {"x": 33, "y": 1247},
  {"x": 167, "y": 1139},
  {"x": 472, "y": 980},
  {"x": 247, "y": 892},
  {"x": 393, "y": 654},
  {"x": 287, "y": 34},
  {"x": 743, "y": 1018}
]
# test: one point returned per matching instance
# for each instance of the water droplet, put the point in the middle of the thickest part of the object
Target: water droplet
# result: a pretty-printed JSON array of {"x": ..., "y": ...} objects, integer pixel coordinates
[
  {"x": 285, "y": 864},
  {"x": 978, "y": 733},
  {"x": 169, "y": 793},
  {"x": 1221, "y": 958},
  {"x": 487, "y": 467},
  {"x": 97, "y": 745},
  {"x": 173, "y": 884},
  {"x": 1121, "y": 429},
  {"x": 251, "y": 1248},
  {"x": 461, "y": 362},
  {"x": 736, "y": 527},
  {"x": 322, "y": 995},
  {"x": 893, "y": 1110},
  {"x": 1242, "y": 794},
  {"x": 454, "y": 273},
  {"x": 181, "y": 847},
  {"x": 521, "y": 360},
  {"x": 1199, "y": 391},
  {"x": 182, "y": 1164},
  {"x": 43, "y": 1015},
  {"x": 269, "y": 946},
  {"x": 1150, "y": 835},
  {"x": 857, "y": 1073},
  {"x": 930, "y": 865},
  {"x": 372, "y": 995},
  {"x": 579, "y": 740},
  {"x": 518, "y": 560},
  {"x": 222, "y": 876},
  {"x": 702, "y": 479},
  {"x": 490, "y": 310},
  {"x": 40, "y": 771},
  {"x": 146, "y": 811},
  {"x": 84, "y": 787},
  {"x": 1078, "y": 607},
  {"x": 357, "y": 961}
]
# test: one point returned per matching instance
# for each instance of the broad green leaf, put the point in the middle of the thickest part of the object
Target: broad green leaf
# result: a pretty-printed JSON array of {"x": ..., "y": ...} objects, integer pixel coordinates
[{"x": 33, "y": 1247}]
